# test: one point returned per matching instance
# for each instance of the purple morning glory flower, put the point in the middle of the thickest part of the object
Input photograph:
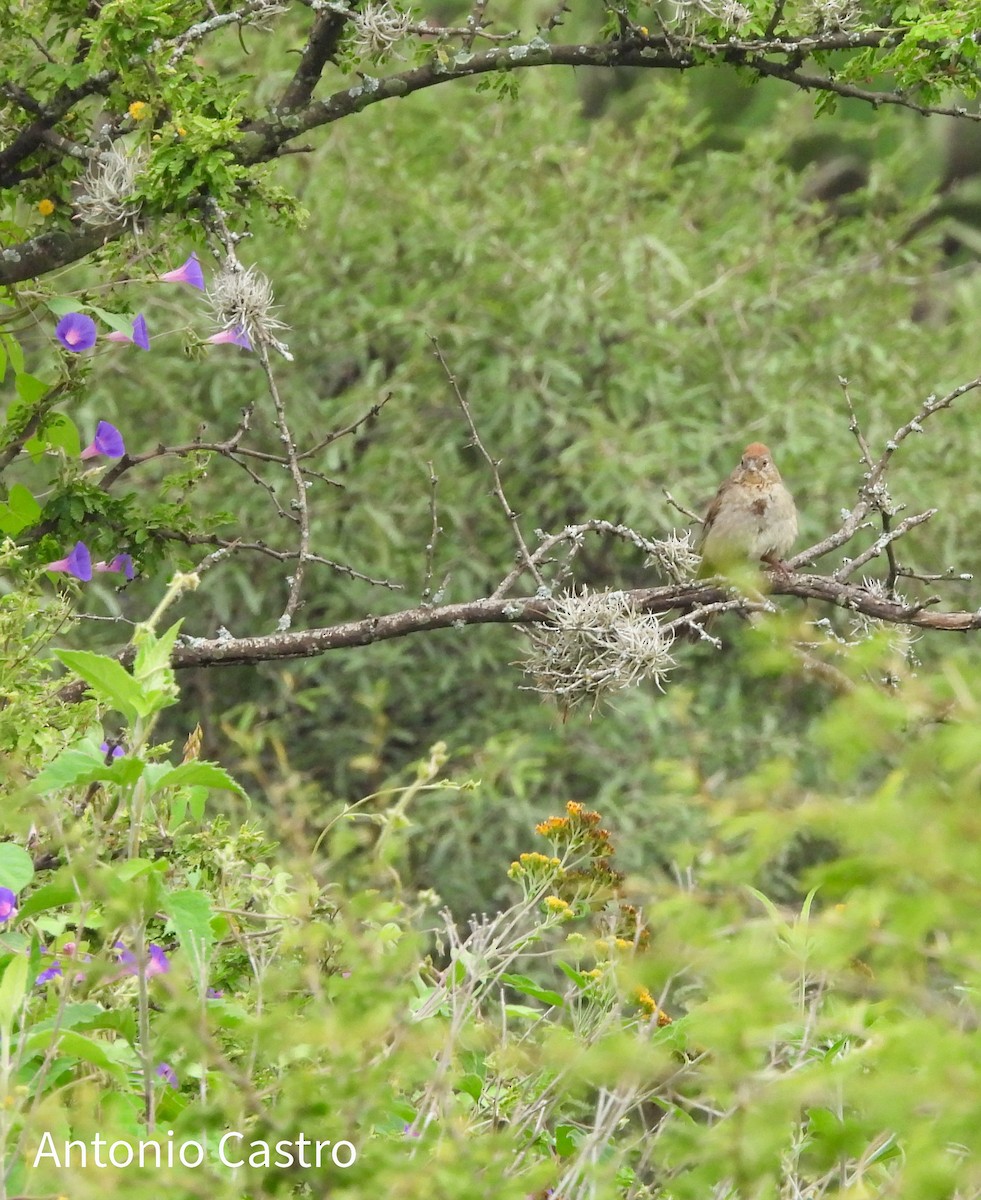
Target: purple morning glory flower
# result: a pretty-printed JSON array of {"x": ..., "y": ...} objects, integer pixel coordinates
[
  {"x": 236, "y": 336},
  {"x": 158, "y": 964},
  {"x": 167, "y": 1073},
  {"x": 139, "y": 336},
  {"x": 76, "y": 332},
  {"x": 122, "y": 563},
  {"x": 8, "y": 904},
  {"x": 108, "y": 441},
  {"x": 52, "y": 972},
  {"x": 78, "y": 563},
  {"x": 188, "y": 272}
]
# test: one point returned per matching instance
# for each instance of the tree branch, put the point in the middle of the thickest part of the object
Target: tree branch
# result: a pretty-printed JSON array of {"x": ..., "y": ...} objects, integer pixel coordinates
[
  {"x": 269, "y": 137},
  {"x": 227, "y": 651}
]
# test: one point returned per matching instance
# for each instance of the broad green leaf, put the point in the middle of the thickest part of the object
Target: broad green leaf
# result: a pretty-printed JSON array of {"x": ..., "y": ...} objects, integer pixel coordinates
[
  {"x": 12, "y": 988},
  {"x": 201, "y": 774},
  {"x": 75, "y": 767},
  {"x": 116, "y": 1058},
  {"x": 61, "y": 306},
  {"x": 16, "y": 866},
  {"x": 190, "y": 913},
  {"x": 528, "y": 987},
  {"x": 118, "y": 322},
  {"x": 30, "y": 388},
  {"x": 109, "y": 680},
  {"x": 23, "y": 504},
  {"x": 56, "y": 894},
  {"x": 62, "y": 433}
]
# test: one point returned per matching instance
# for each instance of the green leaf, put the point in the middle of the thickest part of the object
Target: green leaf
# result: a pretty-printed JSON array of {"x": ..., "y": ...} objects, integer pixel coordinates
[
  {"x": 471, "y": 1085},
  {"x": 577, "y": 977},
  {"x": 61, "y": 306},
  {"x": 528, "y": 987},
  {"x": 567, "y": 1139},
  {"x": 201, "y": 774},
  {"x": 53, "y": 895},
  {"x": 116, "y": 1058},
  {"x": 75, "y": 766},
  {"x": 61, "y": 433},
  {"x": 16, "y": 867},
  {"x": 118, "y": 322},
  {"x": 30, "y": 388},
  {"x": 190, "y": 913},
  {"x": 109, "y": 680},
  {"x": 12, "y": 988},
  {"x": 522, "y": 1010}
]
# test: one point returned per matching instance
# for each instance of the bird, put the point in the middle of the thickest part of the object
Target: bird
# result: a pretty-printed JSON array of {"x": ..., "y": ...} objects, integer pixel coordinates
[{"x": 752, "y": 519}]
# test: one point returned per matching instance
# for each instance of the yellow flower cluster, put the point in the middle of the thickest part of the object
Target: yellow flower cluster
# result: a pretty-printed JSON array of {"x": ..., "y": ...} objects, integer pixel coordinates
[{"x": 648, "y": 1006}]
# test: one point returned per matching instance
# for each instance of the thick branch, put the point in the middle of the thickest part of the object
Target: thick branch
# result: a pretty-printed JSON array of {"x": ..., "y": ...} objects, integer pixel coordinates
[
  {"x": 319, "y": 50},
  {"x": 267, "y": 138},
  {"x": 210, "y": 652}
]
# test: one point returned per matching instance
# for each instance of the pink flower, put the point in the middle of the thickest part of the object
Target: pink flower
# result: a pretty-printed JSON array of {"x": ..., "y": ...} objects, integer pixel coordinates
[
  {"x": 188, "y": 272},
  {"x": 139, "y": 336},
  {"x": 78, "y": 563},
  {"x": 121, "y": 564},
  {"x": 236, "y": 336}
]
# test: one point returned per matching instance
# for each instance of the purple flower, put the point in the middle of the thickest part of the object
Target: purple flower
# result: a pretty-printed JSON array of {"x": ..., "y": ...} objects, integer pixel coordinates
[
  {"x": 108, "y": 441},
  {"x": 158, "y": 964},
  {"x": 167, "y": 1073},
  {"x": 78, "y": 563},
  {"x": 214, "y": 993},
  {"x": 117, "y": 751},
  {"x": 122, "y": 563},
  {"x": 8, "y": 904},
  {"x": 188, "y": 272},
  {"x": 139, "y": 337},
  {"x": 236, "y": 336},
  {"x": 52, "y": 972},
  {"x": 76, "y": 332}
]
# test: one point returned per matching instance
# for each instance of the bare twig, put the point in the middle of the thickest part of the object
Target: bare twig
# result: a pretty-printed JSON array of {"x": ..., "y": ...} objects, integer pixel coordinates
[
  {"x": 854, "y": 426},
  {"x": 334, "y": 436},
  {"x": 685, "y": 512},
  {"x": 888, "y": 536},
  {"x": 283, "y": 556},
  {"x": 427, "y": 583},
  {"x": 512, "y": 516},
  {"x": 872, "y": 493},
  {"x": 879, "y": 498}
]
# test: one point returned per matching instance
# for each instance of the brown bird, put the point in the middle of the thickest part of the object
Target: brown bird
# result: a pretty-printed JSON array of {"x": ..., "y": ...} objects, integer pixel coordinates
[{"x": 752, "y": 518}]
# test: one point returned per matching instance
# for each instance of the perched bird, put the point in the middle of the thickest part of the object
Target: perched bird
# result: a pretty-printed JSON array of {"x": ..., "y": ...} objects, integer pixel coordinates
[{"x": 751, "y": 519}]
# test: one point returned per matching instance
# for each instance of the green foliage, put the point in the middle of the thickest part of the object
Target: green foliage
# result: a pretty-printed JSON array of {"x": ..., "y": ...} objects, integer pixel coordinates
[{"x": 708, "y": 1041}]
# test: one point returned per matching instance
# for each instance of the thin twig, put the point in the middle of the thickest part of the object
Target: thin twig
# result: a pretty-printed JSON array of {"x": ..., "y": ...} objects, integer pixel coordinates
[
  {"x": 352, "y": 428},
  {"x": 880, "y": 498},
  {"x": 851, "y": 565},
  {"x": 854, "y": 426},
  {"x": 512, "y": 516},
  {"x": 427, "y": 583},
  {"x": 685, "y": 512}
]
